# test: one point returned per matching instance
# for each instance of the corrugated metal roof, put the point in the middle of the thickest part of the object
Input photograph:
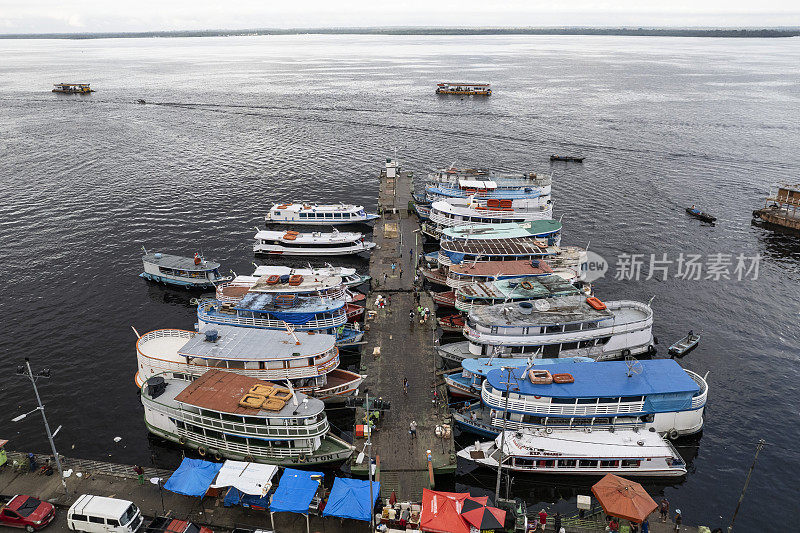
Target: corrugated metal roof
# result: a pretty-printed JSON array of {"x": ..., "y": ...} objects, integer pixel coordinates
[
  {"x": 531, "y": 267},
  {"x": 524, "y": 246},
  {"x": 253, "y": 344}
]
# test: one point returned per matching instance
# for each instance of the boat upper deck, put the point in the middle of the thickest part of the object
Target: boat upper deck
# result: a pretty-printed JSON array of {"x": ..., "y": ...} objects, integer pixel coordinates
[
  {"x": 316, "y": 237},
  {"x": 267, "y": 303},
  {"x": 221, "y": 391},
  {"x": 484, "y": 365},
  {"x": 178, "y": 262},
  {"x": 280, "y": 270},
  {"x": 527, "y": 267},
  {"x": 319, "y": 208},
  {"x": 545, "y": 312},
  {"x": 311, "y": 283},
  {"x": 506, "y": 230},
  {"x": 534, "y": 288},
  {"x": 484, "y": 247},
  {"x": 597, "y": 444},
  {"x": 609, "y": 379},
  {"x": 256, "y": 344}
]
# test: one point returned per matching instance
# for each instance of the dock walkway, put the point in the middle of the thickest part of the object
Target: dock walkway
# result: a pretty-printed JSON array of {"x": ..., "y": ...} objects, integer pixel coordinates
[{"x": 397, "y": 347}]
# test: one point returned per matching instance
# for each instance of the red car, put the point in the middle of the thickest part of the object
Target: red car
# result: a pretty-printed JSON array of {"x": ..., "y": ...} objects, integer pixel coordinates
[{"x": 27, "y": 512}]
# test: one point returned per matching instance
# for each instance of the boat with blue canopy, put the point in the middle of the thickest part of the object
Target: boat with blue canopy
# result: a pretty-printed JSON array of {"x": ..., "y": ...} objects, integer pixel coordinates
[{"x": 657, "y": 394}]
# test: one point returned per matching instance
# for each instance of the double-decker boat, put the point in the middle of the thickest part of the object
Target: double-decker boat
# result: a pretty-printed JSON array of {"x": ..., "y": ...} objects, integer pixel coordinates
[
  {"x": 646, "y": 394},
  {"x": 571, "y": 453},
  {"x": 226, "y": 415},
  {"x": 188, "y": 272},
  {"x": 563, "y": 326},
  {"x": 544, "y": 230},
  {"x": 269, "y": 311},
  {"x": 512, "y": 186},
  {"x": 458, "y": 276},
  {"x": 525, "y": 249},
  {"x": 309, "y": 360},
  {"x": 477, "y": 89},
  {"x": 488, "y": 293},
  {"x": 459, "y": 212},
  {"x": 467, "y": 383},
  {"x": 315, "y": 214},
  {"x": 312, "y": 244},
  {"x": 349, "y": 276}
]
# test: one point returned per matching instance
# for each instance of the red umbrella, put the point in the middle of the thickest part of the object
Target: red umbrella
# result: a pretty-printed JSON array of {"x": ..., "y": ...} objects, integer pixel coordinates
[
  {"x": 473, "y": 503},
  {"x": 623, "y": 498},
  {"x": 485, "y": 517}
]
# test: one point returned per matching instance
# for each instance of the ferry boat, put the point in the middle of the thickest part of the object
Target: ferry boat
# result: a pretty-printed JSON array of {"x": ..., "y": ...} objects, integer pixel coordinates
[
  {"x": 349, "y": 276},
  {"x": 564, "y": 326},
  {"x": 571, "y": 453},
  {"x": 477, "y": 89},
  {"x": 780, "y": 208},
  {"x": 504, "y": 186},
  {"x": 468, "y": 382},
  {"x": 226, "y": 415},
  {"x": 72, "y": 88},
  {"x": 646, "y": 394},
  {"x": 489, "y": 293},
  {"x": 311, "y": 244},
  {"x": 310, "y": 360},
  {"x": 268, "y": 311},
  {"x": 188, "y": 272},
  {"x": 315, "y": 214},
  {"x": 484, "y": 250},
  {"x": 457, "y": 212}
]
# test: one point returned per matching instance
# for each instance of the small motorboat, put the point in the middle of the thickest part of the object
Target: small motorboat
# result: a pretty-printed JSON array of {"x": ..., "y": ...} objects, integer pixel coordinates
[
  {"x": 568, "y": 158},
  {"x": 705, "y": 217},
  {"x": 685, "y": 345}
]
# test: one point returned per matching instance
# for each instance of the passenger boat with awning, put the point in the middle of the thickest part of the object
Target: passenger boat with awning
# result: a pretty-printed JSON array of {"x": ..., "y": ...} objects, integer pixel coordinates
[
  {"x": 268, "y": 311},
  {"x": 459, "y": 212},
  {"x": 645, "y": 394},
  {"x": 309, "y": 360},
  {"x": 310, "y": 244},
  {"x": 526, "y": 249},
  {"x": 227, "y": 415},
  {"x": 563, "y": 326},
  {"x": 626, "y": 453},
  {"x": 187, "y": 272},
  {"x": 316, "y": 214},
  {"x": 467, "y": 382},
  {"x": 548, "y": 231}
]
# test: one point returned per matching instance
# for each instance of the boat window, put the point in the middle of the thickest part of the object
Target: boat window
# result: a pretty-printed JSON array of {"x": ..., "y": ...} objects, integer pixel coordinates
[
  {"x": 522, "y": 462},
  {"x": 209, "y": 414},
  {"x": 603, "y": 340},
  {"x": 586, "y": 344},
  {"x": 569, "y": 346},
  {"x": 346, "y": 215},
  {"x": 609, "y": 400},
  {"x": 232, "y": 418},
  {"x": 303, "y": 215},
  {"x": 610, "y": 463},
  {"x": 563, "y": 400},
  {"x": 587, "y": 401},
  {"x": 328, "y": 215},
  {"x": 630, "y": 463},
  {"x": 337, "y": 215},
  {"x": 547, "y": 463},
  {"x": 567, "y": 463},
  {"x": 632, "y": 398},
  {"x": 254, "y": 420},
  {"x": 585, "y": 463},
  {"x": 277, "y": 213},
  {"x": 602, "y": 421},
  {"x": 213, "y": 434},
  {"x": 572, "y": 327},
  {"x": 558, "y": 421},
  {"x": 179, "y": 424},
  {"x": 235, "y": 439}
]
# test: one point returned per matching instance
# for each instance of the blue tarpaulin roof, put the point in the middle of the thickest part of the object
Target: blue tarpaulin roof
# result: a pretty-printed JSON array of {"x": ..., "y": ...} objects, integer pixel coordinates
[
  {"x": 350, "y": 499},
  {"x": 236, "y": 497},
  {"x": 295, "y": 491},
  {"x": 193, "y": 477},
  {"x": 608, "y": 379}
]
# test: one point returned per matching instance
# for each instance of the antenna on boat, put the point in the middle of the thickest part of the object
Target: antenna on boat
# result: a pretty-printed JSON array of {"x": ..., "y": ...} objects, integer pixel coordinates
[
  {"x": 587, "y": 246},
  {"x": 145, "y": 250},
  {"x": 633, "y": 364},
  {"x": 137, "y": 333},
  {"x": 255, "y": 264},
  {"x": 294, "y": 394},
  {"x": 650, "y": 301},
  {"x": 290, "y": 330}
]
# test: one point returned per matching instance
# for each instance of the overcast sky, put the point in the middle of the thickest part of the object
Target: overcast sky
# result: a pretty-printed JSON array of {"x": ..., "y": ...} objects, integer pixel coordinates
[{"x": 35, "y": 16}]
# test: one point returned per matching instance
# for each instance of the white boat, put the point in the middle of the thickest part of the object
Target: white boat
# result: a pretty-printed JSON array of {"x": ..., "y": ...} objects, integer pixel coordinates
[
  {"x": 226, "y": 415},
  {"x": 565, "y": 326},
  {"x": 462, "y": 211},
  {"x": 188, "y": 272},
  {"x": 593, "y": 453},
  {"x": 309, "y": 360},
  {"x": 310, "y": 244},
  {"x": 316, "y": 214},
  {"x": 349, "y": 275}
]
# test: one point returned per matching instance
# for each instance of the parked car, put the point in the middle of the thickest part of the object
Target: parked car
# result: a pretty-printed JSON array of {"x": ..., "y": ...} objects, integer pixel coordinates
[
  {"x": 98, "y": 514},
  {"x": 28, "y": 512},
  {"x": 164, "y": 524}
]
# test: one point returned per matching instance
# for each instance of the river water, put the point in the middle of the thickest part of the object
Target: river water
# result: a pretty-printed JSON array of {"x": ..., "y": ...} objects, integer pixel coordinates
[{"x": 233, "y": 124}]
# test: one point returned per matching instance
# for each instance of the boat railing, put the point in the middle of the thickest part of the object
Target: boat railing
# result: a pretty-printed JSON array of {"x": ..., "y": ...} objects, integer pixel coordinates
[
  {"x": 699, "y": 400},
  {"x": 495, "y": 401},
  {"x": 244, "y": 449},
  {"x": 209, "y": 313},
  {"x": 525, "y": 213},
  {"x": 513, "y": 425},
  {"x": 315, "y": 429},
  {"x": 160, "y": 334}
]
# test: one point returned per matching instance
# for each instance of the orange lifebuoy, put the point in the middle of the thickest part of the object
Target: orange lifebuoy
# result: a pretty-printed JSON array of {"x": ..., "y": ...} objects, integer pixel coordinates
[
  {"x": 563, "y": 378},
  {"x": 540, "y": 377},
  {"x": 273, "y": 279}
]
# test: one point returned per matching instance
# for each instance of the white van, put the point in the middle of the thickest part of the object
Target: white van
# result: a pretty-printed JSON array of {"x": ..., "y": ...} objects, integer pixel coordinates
[{"x": 98, "y": 514}]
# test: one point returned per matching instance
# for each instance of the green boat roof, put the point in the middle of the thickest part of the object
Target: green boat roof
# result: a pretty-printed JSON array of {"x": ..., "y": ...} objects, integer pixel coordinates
[{"x": 506, "y": 230}]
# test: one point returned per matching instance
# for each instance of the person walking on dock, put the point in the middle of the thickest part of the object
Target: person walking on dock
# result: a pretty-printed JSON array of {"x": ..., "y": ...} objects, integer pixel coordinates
[
  {"x": 385, "y": 275},
  {"x": 646, "y": 525},
  {"x": 678, "y": 519},
  {"x": 394, "y": 266},
  {"x": 405, "y": 386},
  {"x": 412, "y": 429},
  {"x": 411, "y": 318},
  {"x": 663, "y": 508},
  {"x": 557, "y": 522},
  {"x": 401, "y": 272},
  {"x": 410, "y": 254},
  {"x": 139, "y": 471},
  {"x": 542, "y": 519}
]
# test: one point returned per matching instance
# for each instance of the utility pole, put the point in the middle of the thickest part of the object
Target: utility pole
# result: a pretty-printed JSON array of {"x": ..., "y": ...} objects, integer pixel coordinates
[
  {"x": 369, "y": 468},
  {"x": 761, "y": 444},
  {"x": 30, "y": 376},
  {"x": 503, "y": 436}
]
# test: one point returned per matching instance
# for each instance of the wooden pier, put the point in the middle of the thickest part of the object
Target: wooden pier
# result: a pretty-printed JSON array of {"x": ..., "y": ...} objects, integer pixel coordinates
[{"x": 396, "y": 348}]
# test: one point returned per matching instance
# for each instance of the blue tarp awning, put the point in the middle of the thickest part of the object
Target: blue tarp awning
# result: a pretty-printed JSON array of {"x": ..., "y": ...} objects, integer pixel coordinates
[
  {"x": 349, "y": 498},
  {"x": 295, "y": 491},
  {"x": 193, "y": 477},
  {"x": 236, "y": 497}
]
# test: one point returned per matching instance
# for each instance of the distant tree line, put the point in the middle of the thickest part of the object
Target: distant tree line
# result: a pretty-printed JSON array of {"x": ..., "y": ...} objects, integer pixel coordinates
[{"x": 653, "y": 32}]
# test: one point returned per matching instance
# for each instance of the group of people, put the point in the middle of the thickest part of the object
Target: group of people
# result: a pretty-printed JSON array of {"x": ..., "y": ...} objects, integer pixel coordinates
[
  {"x": 381, "y": 302},
  {"x": 422, "y": 312}
]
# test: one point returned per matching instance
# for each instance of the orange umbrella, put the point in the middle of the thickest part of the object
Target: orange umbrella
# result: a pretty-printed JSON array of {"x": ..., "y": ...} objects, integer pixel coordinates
[{"x": 623, "y": 498}]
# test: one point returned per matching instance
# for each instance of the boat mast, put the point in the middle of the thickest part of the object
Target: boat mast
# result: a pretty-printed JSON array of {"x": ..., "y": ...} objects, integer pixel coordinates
[{"x": 502, "y": 437}]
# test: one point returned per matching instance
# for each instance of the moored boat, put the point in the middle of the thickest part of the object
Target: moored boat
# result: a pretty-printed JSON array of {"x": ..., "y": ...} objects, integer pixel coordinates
[
  {"x": 350, "y": 277},
  {"x": 625, "y": 453},
  {"x": 452, "y": 323},
  {"x": 72, "y": 88},
  {"x": 685, "y": 345},
  {"x": 310, "y": 244},
  {"x": 316, "y": 214},
  {"x": 478, "y": 89},
  {"x": 188, "y": 272},
  {"x": 696, "y": 213},
  {"x": 567, "y": 158},
  {"x": 309, "y": 360},
  {"x": 226, "y": 415}
]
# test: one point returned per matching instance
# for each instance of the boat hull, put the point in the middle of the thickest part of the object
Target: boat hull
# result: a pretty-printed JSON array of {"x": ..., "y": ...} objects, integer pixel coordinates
[{"x": 186, "y": 284}]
